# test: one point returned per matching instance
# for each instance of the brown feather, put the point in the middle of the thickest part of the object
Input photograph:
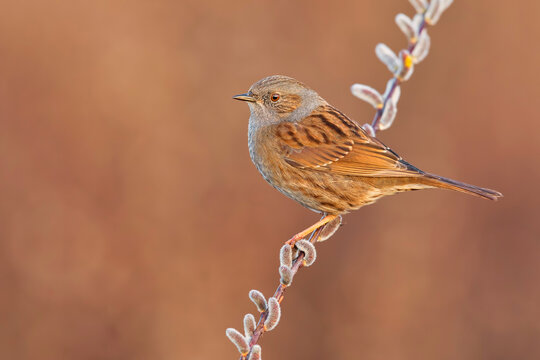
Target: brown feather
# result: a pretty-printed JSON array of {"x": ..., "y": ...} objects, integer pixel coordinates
[
  {"x": 314, "y": 154},
  {"x": 348, "y": 149}
]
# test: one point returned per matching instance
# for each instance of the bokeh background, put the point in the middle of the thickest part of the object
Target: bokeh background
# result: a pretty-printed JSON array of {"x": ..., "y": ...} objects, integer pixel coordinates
[{"x": 133, "y": 224}]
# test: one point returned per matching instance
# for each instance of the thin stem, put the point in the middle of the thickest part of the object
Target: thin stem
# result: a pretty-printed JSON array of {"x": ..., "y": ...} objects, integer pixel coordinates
[
  {"x": 280, "y": 293},
  {"x": 396, "y": 81},
  {"x": 298, "y": 263}
]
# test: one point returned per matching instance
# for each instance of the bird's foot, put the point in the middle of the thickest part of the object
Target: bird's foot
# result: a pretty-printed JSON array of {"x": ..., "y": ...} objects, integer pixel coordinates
[{"x": 325, "y": 220}]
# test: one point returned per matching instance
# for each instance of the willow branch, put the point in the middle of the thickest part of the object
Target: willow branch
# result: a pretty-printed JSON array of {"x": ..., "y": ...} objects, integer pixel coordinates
[
  {"x": 401, "y": 66},
  {"x": 396, "y": 81},
  {"x": 279, "y": 294}
]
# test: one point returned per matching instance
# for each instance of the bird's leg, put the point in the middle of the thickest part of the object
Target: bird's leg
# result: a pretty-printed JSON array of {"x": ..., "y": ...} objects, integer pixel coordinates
[{"x": 324, "y": 220}]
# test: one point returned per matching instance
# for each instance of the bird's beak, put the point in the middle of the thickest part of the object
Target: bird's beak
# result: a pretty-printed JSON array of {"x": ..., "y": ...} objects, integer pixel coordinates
[{"x": 244, "y": 97}]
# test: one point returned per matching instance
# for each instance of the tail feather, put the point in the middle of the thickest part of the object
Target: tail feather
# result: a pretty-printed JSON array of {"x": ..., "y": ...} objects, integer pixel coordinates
[{"x": 444, "y": 183}]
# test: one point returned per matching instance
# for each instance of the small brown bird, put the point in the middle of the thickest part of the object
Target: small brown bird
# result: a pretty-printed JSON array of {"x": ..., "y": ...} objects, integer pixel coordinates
[{"x": 316, "y": 155}]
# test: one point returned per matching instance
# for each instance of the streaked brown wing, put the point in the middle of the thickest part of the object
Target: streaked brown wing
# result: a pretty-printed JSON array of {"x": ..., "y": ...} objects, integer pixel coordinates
[{"x": 327, "y": 140}]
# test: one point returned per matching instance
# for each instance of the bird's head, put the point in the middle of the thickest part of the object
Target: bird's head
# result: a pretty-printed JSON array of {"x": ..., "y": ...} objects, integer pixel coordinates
[{"x": 279, "y": 98}]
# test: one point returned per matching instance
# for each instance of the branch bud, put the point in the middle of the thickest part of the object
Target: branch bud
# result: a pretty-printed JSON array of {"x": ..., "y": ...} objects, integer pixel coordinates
[
  {"x": 389, "y": 114},
  {"x": 445, "y": 4},
  {"x": 330, "y": 229},
  {"x": 406, "y": 25},
  {"x": 421, "y": 49},
  {"x": 419, "y": 5},
  {"x": 417, "y": 21},
  {"x": 285, "y": 256},
  {"x": 286, "y": 275},
  {"x": 255, "y": 353},
  {"x": 390, "y": 86},
  {"x": 369, "y": 129},
  {"x": 433, "y": 12},
  {"x": 387, "y": 57},
  {"x": 274, "y": 314},
  {"x": 258, "y": 299},
  {"x": 309, "y": 250},
  {"x": 238, "y": 340},
  {"x": 368, "y": 94},
  {"x": 407, "y": 66},
  {"x": 249, "y": 325}
]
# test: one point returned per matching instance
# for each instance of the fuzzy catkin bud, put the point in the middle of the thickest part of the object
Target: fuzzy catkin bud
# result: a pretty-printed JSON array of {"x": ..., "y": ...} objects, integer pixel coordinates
[
  {"x": 396, "y": 95},
  {"x": 387, "y": 57},
  {"x": 433, "y": 12},
  {"x": 330, "y": 229},
  {"x": 445, "y": 4},
  {"x": 393, "y": 87},
  {"x": 369, "y": 129},
  {"x": 407, "y": 65},
  {"x": 388, "y": 116},
  {"x": 406, "y": 25},
  {"x": 249, "y": 325},
  {"x": 417, "y": 22},
  {"x": 255, "y": 353},
  {"x": 239, "y": 340},
  {"x": 286, "y": 275},
  {"x": 295, "y": 252},
  {"x": 421, "y": 49},
  {"x": 419, "y": 5},
  {"x": 368, "y": 94},
  {"x": 274, "y": 314},
  {"x": 258, "y": 299},
  {"x": 309, "y": 250},
  {"x": 285, "y": 255}
]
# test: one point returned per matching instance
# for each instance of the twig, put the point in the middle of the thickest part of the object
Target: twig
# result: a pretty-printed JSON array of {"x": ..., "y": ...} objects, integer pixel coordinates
[
  {"x": 280, "y": 293},
  {"x": 401, "y": 66},
  {"x": 396, "y": 81}
]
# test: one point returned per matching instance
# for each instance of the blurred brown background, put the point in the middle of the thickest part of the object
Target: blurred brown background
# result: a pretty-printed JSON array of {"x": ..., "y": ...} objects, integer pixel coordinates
[{"x": 133, "y": 224}]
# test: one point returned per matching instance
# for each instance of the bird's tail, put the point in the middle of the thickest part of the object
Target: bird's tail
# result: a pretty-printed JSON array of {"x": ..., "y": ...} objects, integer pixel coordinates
[{"x": 444, "y": 183}]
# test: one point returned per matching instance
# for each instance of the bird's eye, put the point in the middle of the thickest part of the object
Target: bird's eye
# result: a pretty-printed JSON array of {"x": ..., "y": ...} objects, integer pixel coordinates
[{"x": 274, "y": 97}]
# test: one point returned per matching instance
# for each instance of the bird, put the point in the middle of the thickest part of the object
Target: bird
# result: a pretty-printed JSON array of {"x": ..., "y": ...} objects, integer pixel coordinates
[{"x": 315, "y": 154}]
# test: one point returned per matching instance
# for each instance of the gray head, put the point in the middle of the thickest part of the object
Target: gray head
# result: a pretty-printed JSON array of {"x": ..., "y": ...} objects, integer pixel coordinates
[{"x": 279, "y": 98}]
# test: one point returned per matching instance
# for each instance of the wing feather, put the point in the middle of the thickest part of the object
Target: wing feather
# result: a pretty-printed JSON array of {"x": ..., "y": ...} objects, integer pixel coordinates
[{"x": 327, "y": 140}]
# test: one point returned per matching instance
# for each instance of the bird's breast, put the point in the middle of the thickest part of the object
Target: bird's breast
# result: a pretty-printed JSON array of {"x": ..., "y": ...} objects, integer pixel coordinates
[
  {"x": 316, "y": 190},
  {"x": 265, "y": 153}
]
